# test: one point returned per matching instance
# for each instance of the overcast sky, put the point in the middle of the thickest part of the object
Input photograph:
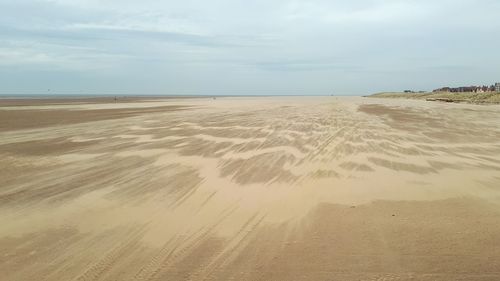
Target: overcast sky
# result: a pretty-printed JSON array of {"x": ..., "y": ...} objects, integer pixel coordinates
[{"x": 246, "y": 47}]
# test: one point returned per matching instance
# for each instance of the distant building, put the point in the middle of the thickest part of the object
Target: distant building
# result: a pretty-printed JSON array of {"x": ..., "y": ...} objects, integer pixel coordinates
[
  {"x": 470, "y": 89},
  {"x": 444, "y": 89},
  {"x": 413, "y": 92}
]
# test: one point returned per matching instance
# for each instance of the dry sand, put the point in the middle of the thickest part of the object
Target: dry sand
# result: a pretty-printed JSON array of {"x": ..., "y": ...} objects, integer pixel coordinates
[{"x": 249, "y": 189}]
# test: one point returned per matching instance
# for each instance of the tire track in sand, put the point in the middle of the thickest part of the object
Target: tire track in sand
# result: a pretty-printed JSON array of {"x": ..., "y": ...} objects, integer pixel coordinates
[
  {"x": 167, "y": 255},
  {"x": 96, "y": 271}
]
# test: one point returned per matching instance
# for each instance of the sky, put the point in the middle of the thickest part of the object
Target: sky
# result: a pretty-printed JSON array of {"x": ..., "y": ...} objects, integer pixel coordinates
[{"x": 236, "y": 47}]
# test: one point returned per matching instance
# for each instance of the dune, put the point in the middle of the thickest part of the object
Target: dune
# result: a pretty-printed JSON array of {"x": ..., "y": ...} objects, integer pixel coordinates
[{"x": 462, "y": 97}]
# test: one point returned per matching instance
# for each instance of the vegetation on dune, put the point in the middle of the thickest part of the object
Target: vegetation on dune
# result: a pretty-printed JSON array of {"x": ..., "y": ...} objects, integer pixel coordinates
[{"x": 488, "y": 97}]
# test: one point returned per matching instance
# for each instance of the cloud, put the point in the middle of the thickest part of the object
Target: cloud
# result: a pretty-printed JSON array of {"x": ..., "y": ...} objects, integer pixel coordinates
[
  {"x": 240, "y": 46},
  {"x": 360, "y": 13},
  {"x": 18, "y": 54}
]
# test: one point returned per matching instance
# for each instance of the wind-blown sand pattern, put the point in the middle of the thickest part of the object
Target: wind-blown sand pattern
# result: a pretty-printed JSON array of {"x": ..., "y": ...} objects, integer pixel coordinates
[{"x": 250, "y": 189}]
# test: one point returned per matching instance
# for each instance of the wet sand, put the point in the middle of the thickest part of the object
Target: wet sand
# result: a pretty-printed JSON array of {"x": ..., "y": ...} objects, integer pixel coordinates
[{"x": 290, "y": 188}]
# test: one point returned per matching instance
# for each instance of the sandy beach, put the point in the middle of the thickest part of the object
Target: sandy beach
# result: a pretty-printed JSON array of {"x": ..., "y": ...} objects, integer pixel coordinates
[{"x": 269, "y": 188}]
